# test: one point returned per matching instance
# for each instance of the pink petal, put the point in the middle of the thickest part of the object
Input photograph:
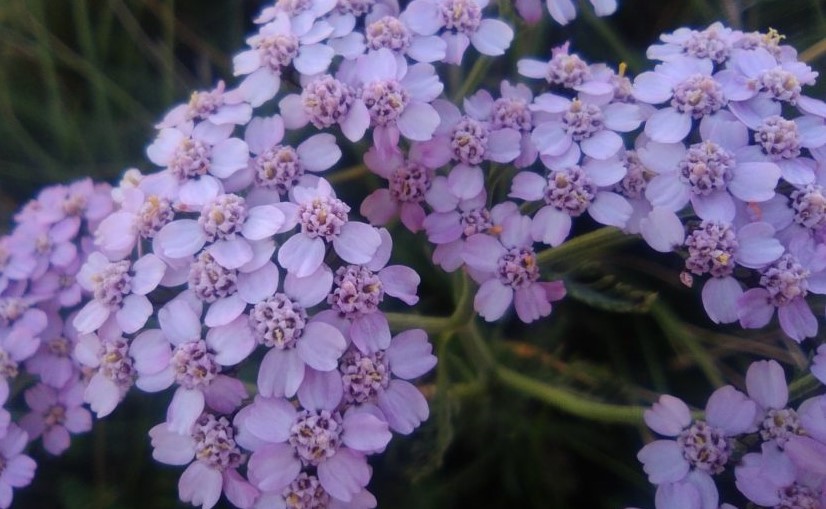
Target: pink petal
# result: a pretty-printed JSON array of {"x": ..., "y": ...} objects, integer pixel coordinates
[
  {"x": 321, "y": 345},
  {"x": 357, "y": 243}
]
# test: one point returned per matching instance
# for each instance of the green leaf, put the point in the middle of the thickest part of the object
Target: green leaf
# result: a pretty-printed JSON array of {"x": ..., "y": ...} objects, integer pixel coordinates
[{"x": 593, "y": 286}]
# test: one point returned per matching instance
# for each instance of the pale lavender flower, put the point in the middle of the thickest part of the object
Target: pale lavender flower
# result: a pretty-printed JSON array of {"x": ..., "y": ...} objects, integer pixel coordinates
[
  {"x": 279, "y": 43},
  {"x": 570, "y": 192},
  {"x": 18, "y": 468},
  {"x": 766, "y": 385},
  {"x": 366, "y": 378},
  {"x": 387, "y": 30},
  {"x": 56, "y": 412},
  {"x": 564, "y": 11},
  {"x": 47, "y": 245},
  {"x": 461, "y": 24},
  {"x": 119, "y": 292},
  {"x": 325, "y": 101},
  {"x": 770, "y": 478},
  {"x": 53, "y": 361},
  {"x": 306, "y": 491},
  {"x": 279, "y": 167},
  {"x": 693, "y": 93},
  {"x": 176, "y": 353},
  {"x": 112, "y": 370},
  {"x": 209, "y": 449},
  {"x": 323, "y": 218},
  {"x": 566, "y": 70},
  {"x": 713, "y": 43},
  {"x": 214, "y": 106},
  {"x": 508, "y": 271},
  {"x": 315, "y": 434},
  {"x": 700, "y": 446}
]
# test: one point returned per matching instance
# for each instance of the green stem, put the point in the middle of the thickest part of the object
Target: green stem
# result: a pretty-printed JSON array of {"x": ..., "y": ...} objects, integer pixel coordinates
[
  {"x": 347, "y": 174},
  {"x": 473, "y": 78},
  {"x": 570, "y": 402},
  {"x": 575, "y": 248},
  {"x": 803, "y": 386},
  {"x": 462, "y": 314}
]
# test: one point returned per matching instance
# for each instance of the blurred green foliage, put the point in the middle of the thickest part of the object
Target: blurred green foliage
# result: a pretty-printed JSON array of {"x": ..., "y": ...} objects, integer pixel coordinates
[{"x": 83, "y": 81}]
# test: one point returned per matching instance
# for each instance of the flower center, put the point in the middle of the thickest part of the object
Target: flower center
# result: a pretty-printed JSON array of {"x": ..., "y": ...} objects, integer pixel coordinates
[
  {"x": 476, "y": 221},
  {"x": 54, "y": 416},
  {"x": 581, "y": 121},
  {"x": 388, "y": 32},
  {"x": 409, "y": 183},
  {"x": 278, "y": 322},
  {"x": 203, "y": 104},
  {"x": 277, "y": 51},
  {"x": 461, "y": 15},
  {"x": 699, "y": 95},
  {"x": 780, "y": 425},
  {"x": 785, "y": 279},
  {"x": 326, "y": 101},
  {"x": 469, "y": 141},
  {"x": 223, "y": 217},
  {"x": 711, "y": 249},
  {"x": 567, "y": 70},
  {"x": 809, "y": 206},
  {"x": 305, "y": 492},
  {"x": 355, "y": 7},
  {"x": 798, "y": 496},
  {"x": 112, "y": 283},
  {"x": 779, "y": 138},
  {"x": 706, "y": 168},
  {"x": 705, "y": 447},
  {"x": 278, "y": 168},
  {"x": 209, "y": 280},
  {"x": 12, "y": 308},
  {"x": 154, "y": 214},
  {"x": 570, "y": 190},
  {"x": 8, "y": 367},
  {"x": 636, "y": 179},
  {"x": 316, "y": 435},
  {"x": 707, "y": 44},
  {"x": 74, "y": 204},
  {"x": 323, "y": 217},
  {"x": 191, "y": 159},
  {"x": 60, "y": 347},
  {"x": 781, "y": 84},
  {"x": 194, "y": 366},
  {"x": 364, "y": 376},
  {"x": 357, "y": 291},
  {"x": 511, "y": 112},
  {"x": 215, "y": 442},
  {"x": 518, "y": 268},
  {"x": 115, "y": 363},
  {"x": 385, "y": 100}
]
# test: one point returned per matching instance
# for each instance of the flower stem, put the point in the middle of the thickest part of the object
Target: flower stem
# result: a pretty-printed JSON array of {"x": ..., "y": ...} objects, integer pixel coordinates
[
  {"x": 462, "y": 313},
  {"x": 473, "y": 78},
  {"x": 577, "y": 247},
  {"x": 570, "y": 402},
  {"x": 346, "y": 174}
]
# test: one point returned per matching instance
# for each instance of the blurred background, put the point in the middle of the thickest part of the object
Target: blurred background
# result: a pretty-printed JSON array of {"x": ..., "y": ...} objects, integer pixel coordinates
[{"x": 82, "y": 83}]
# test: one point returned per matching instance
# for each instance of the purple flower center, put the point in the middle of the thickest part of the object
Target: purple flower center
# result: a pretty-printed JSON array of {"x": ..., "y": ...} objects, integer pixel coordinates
[
  {"x": 277, "y": 51},
  {"x": 323, "y": 217},
  {"x": 780, "y": 425},
  {"x": 798, "y": 496},
  {"x": 278, "y": 322},
  {"x": 469, "y": 141},
  {"x": 636, "y": 178},
  {"x": 194, "y": 366},
  {"x": 43, "y": 244},
  {"x": 278, "y": 168},
  {"x": 699, "y": 95},
  {"x": 461, "y": 15},
  {"x": 785, "y": 279},
  {"x": 779, "y": 138},
  {"x": 711, "y": 249},
  {"x": 191, "y": 159},
  {"x": 707, "y": 44},
  {"x": 363, "y": 376},
  {"x": 511, "y": 112},
  {"x": 705, "y": 447},
  {"x": 60, "y": 347},
  {"x": 203, "y": 104},
  {"x": 305, "y": 492},
  {"x": 518, "y": 268},
  {"x": 357, "y": 291},
  {"x": 326, "y": 101},
  {"x": 54, "y": 416},
  {"x": 8, "y": 367},
  {"x": 570, "y": 190},
  {"x": 223, "y": 217},
  {"x": 567, "y": 70},
  {"x": 74, "y": 204},
  {"x": 769, "y": 41},
  {"x": 809, "y": 206},
  {"x": 781, "y": 84},
  {"x": 387, "y": 32},
  {"x": 476, "y": 221},
  {"x": 112, "y": 283},
  {"x": 409, "y": 183},
  {"x": 293, "y": 7},
  {"x": 385, "y": 100},
  {"x": 115, "y": 363},
  {"x": 12, "y": 308},
  {"x": 706, "y": 168},
  {"x": 154, "y": 214},
  {"x": 215, "y": 442},
  {"x": 209, "y": 280},
  {"x": 316, "y": 435},
  {"x": 355, "y": 7},
  {"x": 582, "y": 120}
]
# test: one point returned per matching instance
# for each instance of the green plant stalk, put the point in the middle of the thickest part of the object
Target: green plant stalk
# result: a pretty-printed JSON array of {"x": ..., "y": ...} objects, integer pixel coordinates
[
  {"x": 473, "y": 78},
  {"x": 461, "y": 316},
  {"x": 574, "y": 249}
]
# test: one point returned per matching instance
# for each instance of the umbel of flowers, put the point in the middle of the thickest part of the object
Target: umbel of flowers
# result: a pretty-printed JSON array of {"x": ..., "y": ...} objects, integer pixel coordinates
[{"x": 236, "y": 244}]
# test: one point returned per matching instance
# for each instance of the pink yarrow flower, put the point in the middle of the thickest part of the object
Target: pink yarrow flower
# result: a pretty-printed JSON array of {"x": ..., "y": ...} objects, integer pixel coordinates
[
  {"x": 55, "y": 413},
  {"x": 18, "y": 468}
]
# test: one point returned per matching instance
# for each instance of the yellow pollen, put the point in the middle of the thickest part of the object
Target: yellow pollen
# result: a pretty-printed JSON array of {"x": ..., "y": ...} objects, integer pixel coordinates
[
  {"x": 623, "y": 67},
  {"x": 495, "y": 229}
]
